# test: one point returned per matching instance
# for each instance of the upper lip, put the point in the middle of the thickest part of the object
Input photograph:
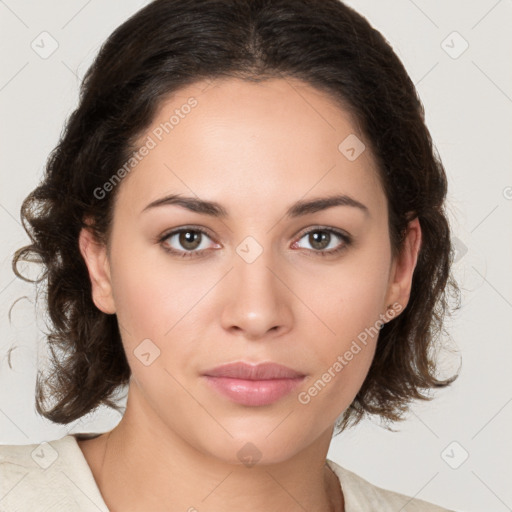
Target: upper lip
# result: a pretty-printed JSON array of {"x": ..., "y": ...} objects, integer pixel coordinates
[{"x": 262, "y": 371}]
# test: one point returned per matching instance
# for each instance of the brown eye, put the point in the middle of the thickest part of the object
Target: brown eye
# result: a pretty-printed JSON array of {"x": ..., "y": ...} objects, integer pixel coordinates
[
  {"x": 189, "y": 239},
  {"x": 188, "y": 242},
  {"x": 320, "y": 239}
]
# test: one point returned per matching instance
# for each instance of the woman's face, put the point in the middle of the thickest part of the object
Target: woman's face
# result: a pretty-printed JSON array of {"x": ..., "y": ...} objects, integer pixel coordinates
[{"x": 259, "y": 285}]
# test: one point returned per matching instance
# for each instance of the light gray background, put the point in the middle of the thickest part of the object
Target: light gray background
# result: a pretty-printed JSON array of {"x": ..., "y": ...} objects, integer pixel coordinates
[{"x": 468, "y": 102}]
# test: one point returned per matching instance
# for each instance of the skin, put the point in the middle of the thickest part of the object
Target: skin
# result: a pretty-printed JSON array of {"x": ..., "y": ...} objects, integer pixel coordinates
[{"x": 255, "y": 149}]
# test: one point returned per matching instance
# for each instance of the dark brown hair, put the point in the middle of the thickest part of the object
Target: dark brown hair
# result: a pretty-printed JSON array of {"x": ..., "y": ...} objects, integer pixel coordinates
[{"x": 170, "y": 44}]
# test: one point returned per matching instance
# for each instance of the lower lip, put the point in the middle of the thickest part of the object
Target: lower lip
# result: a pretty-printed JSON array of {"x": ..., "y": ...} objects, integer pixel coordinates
[{"x": 253, "y": 392}]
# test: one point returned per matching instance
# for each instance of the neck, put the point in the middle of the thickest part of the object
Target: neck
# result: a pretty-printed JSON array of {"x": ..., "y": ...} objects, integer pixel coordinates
[{"x": 144, "y": 465}]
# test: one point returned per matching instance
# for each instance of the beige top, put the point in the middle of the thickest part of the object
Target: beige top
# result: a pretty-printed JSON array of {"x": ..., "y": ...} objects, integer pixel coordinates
[{"x": 55, "y": 477}]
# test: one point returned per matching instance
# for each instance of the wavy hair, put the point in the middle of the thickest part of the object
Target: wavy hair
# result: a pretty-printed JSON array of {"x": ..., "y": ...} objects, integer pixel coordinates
[{"x": 168, "y": 45}]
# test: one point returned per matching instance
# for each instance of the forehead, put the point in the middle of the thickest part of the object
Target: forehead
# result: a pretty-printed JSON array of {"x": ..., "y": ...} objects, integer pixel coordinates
[{"x": 251, "y": 144}]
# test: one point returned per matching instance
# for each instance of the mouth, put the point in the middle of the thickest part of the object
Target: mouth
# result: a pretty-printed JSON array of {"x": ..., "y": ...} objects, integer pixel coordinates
[{"x": 253, "y": 385}]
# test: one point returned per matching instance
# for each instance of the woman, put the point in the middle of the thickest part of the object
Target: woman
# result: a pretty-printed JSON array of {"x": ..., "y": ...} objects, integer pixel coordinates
[{"x": 244, "y": 221}]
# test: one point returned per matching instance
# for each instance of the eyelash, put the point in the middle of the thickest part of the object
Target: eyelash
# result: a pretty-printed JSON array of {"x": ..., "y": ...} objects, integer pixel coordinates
[{"x": 197, "y": 254}]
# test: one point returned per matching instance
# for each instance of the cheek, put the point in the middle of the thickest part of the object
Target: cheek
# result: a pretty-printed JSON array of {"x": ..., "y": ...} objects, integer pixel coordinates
[
  {"x": 344, "y": 357},
  {"x": 347, "y": 309},
  {"x": 345, "y": 300},
  {"x": 151, "y": 294},
  {"x": 158, "y": 305}
]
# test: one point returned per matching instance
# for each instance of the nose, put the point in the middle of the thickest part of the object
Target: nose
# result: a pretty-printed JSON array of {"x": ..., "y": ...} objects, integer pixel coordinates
[{"x": 258, "y": 300}]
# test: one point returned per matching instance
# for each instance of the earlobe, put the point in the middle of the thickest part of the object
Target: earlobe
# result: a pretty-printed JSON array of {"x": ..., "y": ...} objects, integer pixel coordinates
[
  {"x": 96, "y": 260},
  {"x": 402, "y": 271}
]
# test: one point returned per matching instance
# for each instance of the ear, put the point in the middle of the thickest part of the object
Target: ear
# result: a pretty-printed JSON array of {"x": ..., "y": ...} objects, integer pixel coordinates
[
  {"x": 402, "y": 268},
  {"x": 95, "y": 257}
]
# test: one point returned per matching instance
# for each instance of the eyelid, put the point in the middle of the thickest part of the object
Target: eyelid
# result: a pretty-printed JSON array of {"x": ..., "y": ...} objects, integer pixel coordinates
[
  {"x": 340, "y": 232},
  {"x": 191, "y": 227}
]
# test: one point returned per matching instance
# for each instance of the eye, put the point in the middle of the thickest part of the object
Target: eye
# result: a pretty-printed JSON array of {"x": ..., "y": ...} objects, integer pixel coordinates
[
  {"x": 189, "y": 238},
  {"x": 321, "y": 238}
]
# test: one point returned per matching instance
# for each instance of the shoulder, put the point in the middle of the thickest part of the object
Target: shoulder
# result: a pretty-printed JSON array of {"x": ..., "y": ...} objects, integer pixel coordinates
[
  {"x": 47, "y": 476},
  {"x": 362, "y": 496}
]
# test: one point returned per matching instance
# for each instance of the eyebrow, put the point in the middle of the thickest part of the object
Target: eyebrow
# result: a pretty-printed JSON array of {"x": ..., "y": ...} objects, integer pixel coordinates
[{"x": 298, "y": 209}]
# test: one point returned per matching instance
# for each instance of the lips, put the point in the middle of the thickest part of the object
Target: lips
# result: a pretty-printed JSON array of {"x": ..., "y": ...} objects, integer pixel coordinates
[
  {"x": 262, "y": 371},
  {"x": 253, "y": 385}
]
